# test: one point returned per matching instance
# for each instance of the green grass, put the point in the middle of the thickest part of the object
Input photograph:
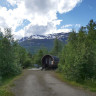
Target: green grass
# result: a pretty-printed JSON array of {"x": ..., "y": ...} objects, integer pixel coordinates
[
  {"x": 6, "y": 85},
  {"x": 88, "y": 84},
  {"x": 4, "y": 91},
  {"x": 91, "y": 85}
]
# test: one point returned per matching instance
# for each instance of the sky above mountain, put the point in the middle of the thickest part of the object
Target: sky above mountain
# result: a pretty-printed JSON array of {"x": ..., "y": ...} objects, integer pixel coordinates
[{"x": 28, "y": 17}]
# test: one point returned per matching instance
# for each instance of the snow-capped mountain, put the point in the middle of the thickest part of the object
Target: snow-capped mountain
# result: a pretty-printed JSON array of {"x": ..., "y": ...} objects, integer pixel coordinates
[
  {"x": 35, "y": 42},
  {"x": 60, "y": 36}
]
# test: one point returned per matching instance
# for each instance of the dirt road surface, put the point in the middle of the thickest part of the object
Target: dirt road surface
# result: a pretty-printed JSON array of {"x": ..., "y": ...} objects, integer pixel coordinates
[{"x": 44, "y": 83}]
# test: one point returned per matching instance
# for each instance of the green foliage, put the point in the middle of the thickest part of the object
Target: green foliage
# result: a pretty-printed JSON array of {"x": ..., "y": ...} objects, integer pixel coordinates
[
  {"x": 43, "y": 51},
  {"x": 87, "y": 84},
  {"x": 12, "y": 56},
  {"x": 38, "y": 56},
  {"x": 7, "y": 83},
  {"x": 78, "y": 57},
  {"x": 8, "y": 61},
  {"x": 57, "y": 47},
  {"x": 12, "y": 59},
  {"x": 5, "y": 92},
  {"x": 28, "y": 63}
]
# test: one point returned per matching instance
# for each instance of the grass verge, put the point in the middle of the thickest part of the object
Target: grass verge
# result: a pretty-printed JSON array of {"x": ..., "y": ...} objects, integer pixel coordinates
[
  {"x": 88, "y": 84},
  {"x": 7, "y": 83}
]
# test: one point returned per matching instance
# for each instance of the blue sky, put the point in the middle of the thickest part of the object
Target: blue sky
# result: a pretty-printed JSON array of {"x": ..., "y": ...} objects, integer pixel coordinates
[
  {"x": 5, "y": 3},
  {"x": 28, "y": 17},
  {"x": 81, "y": 14}
]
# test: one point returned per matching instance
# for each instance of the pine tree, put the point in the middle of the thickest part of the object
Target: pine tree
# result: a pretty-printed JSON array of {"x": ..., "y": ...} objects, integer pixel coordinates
[
  {"x": 38, "y": 57},
  {"x": 57, "y": 47},
  {"x": 78, "y": 58}
]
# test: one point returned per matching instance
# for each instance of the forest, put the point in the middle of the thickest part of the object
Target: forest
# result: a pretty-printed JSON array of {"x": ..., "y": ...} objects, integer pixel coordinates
[
  {"x": 13, "y": 57},
  {"x": 77, "y": 57}
]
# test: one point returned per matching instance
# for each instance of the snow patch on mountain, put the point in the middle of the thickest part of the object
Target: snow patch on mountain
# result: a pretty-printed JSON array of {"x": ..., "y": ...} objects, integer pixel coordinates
[{"x": 60, "y": 36}]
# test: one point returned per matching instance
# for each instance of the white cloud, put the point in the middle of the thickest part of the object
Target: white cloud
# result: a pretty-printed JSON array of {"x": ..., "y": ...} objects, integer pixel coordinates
[
  {"x": 19, "y": 34},
  {"x": 67, "y": 5},
  {"x": 71, "y": 25},
  {"x": 12, "y": 2},
  {"x": 3, "y": 22},
  {"x": 41, "y": 14},
  {"x": 64, "y": 30},
  {"x": 77, "y": 25},
  {"x": 66, "y": 26}
]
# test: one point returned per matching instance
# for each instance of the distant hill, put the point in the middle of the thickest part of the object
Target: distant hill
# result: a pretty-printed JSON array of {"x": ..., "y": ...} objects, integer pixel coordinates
[{"x": 35, "y": 42}]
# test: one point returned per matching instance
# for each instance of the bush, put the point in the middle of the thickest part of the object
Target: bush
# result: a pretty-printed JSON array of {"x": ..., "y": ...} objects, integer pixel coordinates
[
  {"x": 27, "y": 63},
  {"x": 78, "y": 58},
  {"x": 0, "y": 80}
]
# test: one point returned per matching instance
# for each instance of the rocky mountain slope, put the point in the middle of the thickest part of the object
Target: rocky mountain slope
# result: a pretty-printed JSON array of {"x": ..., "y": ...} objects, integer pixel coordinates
[{"x": 35, "y": 42}]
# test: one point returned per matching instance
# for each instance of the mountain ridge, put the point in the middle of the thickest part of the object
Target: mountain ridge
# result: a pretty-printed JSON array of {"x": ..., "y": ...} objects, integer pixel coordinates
[
  {"x": 35, "y": 42},
  {"x": 48, "y": 36}
]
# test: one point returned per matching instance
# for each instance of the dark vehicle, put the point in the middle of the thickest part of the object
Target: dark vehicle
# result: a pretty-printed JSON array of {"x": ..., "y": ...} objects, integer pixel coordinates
[{"x": 50, "y": 62}]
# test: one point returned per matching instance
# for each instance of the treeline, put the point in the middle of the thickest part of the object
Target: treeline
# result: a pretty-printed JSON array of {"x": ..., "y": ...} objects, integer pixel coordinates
[
  {"x": 78, "y": 57},
  {"x": 12, "y": 56},
  {"x": 36, "y": 58},
  {"x": 57, "y": 47}
]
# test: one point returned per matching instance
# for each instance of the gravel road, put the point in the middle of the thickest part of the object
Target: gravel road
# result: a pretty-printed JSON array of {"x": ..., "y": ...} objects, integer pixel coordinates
[{"x": 44, "y": 83}]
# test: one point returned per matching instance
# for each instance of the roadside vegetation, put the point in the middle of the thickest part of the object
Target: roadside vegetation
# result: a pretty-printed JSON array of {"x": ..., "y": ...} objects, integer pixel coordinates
[
  {"x": 7, "y": 84},
  {"x": 86, "y": 85},
  {"x": 13, "y": 58},
  {"x": 77, "y": 64},
  {"x": 58, "y": 45},
  {"x": 5, "y": 88},
  {"x": 78, "y": 57}
]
